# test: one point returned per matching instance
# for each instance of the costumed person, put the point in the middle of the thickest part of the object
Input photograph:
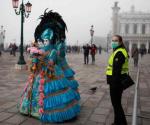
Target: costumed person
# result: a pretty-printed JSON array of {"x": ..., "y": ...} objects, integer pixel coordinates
[
  {"x": 61, "y": 56},
  {"x": 116, "y": 70},
  {"x": 47, "y": 94}
]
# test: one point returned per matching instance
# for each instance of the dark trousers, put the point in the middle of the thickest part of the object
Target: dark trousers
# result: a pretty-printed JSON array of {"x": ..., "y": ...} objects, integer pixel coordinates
[
  {"x": 135, "y": 62},
  {"x": 116, "y": 95},
  {"x": 86, "y": 58},
  {"x": 14, "y": 53},
  {"x": 93, "y": 58}
]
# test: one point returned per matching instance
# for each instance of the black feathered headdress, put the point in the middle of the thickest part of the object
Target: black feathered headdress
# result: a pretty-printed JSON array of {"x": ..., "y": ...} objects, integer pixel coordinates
[{"x": 54, "y": 21}]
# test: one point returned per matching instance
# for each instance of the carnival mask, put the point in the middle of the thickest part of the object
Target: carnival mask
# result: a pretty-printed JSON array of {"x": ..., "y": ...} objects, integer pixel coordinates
[{"x": 45, "y": 39}]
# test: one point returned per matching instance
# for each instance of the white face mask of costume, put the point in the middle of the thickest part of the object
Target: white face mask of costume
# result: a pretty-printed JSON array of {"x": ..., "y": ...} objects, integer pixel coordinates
[
  {"x": 46, "y": 42},
  {"x": 40, "y": 44}
]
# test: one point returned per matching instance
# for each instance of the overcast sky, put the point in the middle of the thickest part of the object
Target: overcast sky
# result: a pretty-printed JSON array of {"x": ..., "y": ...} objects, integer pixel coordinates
[{"x": 79, "y": 15}]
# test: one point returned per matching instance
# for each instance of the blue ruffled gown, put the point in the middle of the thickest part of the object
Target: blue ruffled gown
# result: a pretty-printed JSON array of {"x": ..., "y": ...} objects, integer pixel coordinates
[
  {"x": 62, "y": 62},
  {"x": 48, "y": 95}
]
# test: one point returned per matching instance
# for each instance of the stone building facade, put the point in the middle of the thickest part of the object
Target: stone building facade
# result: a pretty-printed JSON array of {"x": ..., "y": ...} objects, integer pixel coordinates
[{"x": 133, "y": 26}]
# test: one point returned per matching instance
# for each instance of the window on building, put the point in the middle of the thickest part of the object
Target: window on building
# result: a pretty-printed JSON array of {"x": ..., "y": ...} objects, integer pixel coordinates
[
  {"x": 127, "y": 28},
  {"x": 143, "y": 28},
  {"x": 135, "y": 29}
]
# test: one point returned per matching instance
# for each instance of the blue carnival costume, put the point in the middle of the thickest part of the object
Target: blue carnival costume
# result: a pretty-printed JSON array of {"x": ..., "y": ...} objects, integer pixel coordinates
[
  {"x": 68, "y": 72},
  {"x": 51, "y": 92}
]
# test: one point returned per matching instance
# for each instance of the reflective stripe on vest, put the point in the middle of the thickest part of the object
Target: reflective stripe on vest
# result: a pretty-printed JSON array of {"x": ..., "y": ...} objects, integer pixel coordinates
[{"x": 110, "y": 62}]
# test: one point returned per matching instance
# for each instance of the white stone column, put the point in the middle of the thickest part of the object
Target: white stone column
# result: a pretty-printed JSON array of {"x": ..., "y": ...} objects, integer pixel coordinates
[
  {"x": 147, "y": 45},
  {"x": 121, "y": 28},
  {"x": 138, "y": 44},
  {"x": 130, "y": 46},
  {"x": 147, "y": 28}
]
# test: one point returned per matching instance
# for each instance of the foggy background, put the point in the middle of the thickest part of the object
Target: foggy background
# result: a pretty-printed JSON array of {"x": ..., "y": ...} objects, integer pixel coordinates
[{"x": 79, "y": 15}]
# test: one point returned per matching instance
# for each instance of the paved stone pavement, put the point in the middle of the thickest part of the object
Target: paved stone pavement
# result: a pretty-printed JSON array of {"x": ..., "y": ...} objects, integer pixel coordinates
[{"x": 96, "y": 107}]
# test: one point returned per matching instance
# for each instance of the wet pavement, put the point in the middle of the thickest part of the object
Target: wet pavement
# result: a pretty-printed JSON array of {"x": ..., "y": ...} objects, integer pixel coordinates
[{"x": 96, "y": 108}]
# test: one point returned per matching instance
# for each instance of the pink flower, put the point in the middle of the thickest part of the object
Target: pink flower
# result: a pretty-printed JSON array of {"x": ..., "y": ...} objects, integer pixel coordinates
[
  {"x": 41, "y": 102},
  {"x": 41, "y": 110},
  {"x": 33, "y": 49},
  {"x": 42, "y": 95},
  {"x": 41, "y": 88},
  {"x": 42, "y": 81}
]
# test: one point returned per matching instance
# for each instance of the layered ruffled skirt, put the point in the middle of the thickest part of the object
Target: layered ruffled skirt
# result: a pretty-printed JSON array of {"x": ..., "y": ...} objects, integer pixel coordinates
[
  {"x": 50, "y": 99},
  {"x": 68, "y": 73}
]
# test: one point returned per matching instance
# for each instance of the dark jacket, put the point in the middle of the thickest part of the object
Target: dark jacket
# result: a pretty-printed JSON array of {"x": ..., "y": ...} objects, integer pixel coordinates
[{"x": 86, "y": 49}]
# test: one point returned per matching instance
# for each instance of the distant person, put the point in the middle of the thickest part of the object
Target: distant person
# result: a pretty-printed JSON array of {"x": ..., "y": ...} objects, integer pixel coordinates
[
  {"x": 93, "y": 52},
  {"x": 100, "y": 49},
  {"x": 142, "y": 52},
  {"x": 26, "y": 47},
  {"x": 135, "y": 56},
  {"x": 14, "y": 48},
  {"x": 10, "y": 47},
  {"x": 86, "y": 50}
]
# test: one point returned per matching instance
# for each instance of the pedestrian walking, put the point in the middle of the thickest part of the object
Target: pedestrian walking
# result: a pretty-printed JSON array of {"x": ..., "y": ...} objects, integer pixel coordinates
[
  {"x": 14, "y": 48},
  {"x": 10, "y": 48},
  {"x": 86, "y": 50},
  {"x": 93, "y": 52},
  {"x": 116, "y": 69},
  {"x": 135, "y": 56},
  {"x": 100, "y": 49}
]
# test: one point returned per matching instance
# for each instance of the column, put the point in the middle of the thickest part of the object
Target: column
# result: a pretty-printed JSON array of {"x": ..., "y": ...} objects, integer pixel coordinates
[
  {"x": 115, "y": 21},
  {"x": 121, "y": 28},
  {"x": 147, "y": 46},
  {"x": 138, "y": 44},
  {"x": 147, "y": 28},
  {"x": 130, "y": 46}
]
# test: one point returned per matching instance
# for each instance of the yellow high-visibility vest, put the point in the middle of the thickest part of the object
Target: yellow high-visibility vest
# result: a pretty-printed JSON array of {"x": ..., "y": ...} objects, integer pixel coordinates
[{"x": 111, "y": 59}]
